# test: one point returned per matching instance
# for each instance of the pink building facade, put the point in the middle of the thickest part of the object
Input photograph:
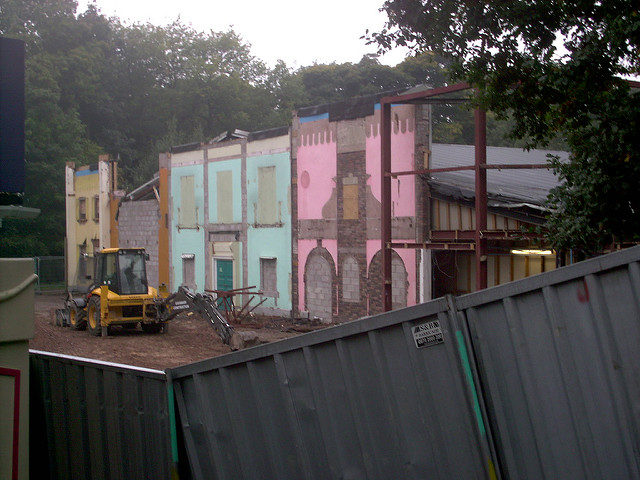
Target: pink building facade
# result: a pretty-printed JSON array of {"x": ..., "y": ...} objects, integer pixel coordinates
[{"x": 336, "y": 207}]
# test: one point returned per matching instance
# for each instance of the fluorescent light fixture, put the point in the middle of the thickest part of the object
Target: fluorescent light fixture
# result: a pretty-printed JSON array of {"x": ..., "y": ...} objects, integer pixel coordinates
[{"x": 532, "y": 252}]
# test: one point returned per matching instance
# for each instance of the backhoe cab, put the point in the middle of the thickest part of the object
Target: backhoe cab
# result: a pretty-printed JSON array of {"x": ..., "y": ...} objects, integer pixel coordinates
[{"x": 118, "y": 295}]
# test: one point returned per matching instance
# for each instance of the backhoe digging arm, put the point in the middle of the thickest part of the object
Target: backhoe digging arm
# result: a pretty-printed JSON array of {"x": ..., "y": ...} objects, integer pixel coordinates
[{"x": 186, "y": 301}]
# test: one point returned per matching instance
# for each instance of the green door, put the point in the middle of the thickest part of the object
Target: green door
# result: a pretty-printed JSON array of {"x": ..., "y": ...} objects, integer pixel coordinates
[{"x": 224, "y": 275}]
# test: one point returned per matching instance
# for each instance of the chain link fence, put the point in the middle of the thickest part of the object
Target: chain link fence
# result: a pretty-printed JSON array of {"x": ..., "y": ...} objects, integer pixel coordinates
[{"x": 50, "y": 271}]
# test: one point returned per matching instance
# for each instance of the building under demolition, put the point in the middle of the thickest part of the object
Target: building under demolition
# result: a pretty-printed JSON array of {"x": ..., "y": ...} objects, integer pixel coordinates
[
  {"x": 229, "y": 215},
  {"x": 295, "y": 213},
  {"x": 91, "y": 203},
  {"x": 336, "y": 185}
]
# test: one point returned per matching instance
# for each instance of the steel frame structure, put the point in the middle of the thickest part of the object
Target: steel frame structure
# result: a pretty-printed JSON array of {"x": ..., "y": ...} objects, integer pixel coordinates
[{"x": 469, "y": 240}]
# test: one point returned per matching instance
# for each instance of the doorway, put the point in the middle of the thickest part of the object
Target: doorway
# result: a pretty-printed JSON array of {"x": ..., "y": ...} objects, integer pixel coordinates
[{"x": 224, "y": 275}]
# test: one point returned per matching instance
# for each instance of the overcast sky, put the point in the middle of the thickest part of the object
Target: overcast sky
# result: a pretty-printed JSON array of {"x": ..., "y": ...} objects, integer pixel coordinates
[{"x": 297, "y": 32}]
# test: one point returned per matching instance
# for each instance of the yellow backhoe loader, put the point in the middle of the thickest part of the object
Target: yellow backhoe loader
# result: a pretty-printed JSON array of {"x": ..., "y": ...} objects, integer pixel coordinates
[{"x": 120, "y": 295}]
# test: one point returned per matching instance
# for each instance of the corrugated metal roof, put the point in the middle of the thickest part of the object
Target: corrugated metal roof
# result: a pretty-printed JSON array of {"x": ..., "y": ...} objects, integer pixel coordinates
[
  {"x": 144, "y": 191},
  {"x": 525, "y": 185},
  {"x": 268, "y": 133}
]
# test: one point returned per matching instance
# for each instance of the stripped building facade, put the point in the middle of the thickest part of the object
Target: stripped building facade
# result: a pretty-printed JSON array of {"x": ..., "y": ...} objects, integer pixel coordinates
[
  {"x": 91, "y": 202},
  {"x": 296, "y": 213},
  {"x": 336, "y": 184},
  {"x": 229, "y": 220},
  {"x": 336, "y": 243}
]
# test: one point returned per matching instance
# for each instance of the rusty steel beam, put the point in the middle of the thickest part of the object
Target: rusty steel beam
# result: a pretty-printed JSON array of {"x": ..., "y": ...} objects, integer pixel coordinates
[
  {"x": 434, "y": 92},
  {"x": 514, "y": 166},
  {"x": 481, "y": 197},
  {"x": 431, "y": 170},
  {"x": 501, "y": 166},
  {"x": 440, "y": 101},
  {"x": 434, "y": 245},
  {"x": 385, "y": 194},
  {"x": 470, "y": 235}
]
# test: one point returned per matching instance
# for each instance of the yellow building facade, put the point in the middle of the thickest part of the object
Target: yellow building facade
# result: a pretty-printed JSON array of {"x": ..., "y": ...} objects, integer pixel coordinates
[{"x": 91, "y": 204}]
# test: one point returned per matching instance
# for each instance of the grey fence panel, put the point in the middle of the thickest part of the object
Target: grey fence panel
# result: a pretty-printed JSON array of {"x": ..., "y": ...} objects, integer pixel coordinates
[
  {"x": 51, "y": 274},
  {"x": 359, "y": 400},
  {"x": 558, "y": 355},
  {"x": 98, "y": 420}
]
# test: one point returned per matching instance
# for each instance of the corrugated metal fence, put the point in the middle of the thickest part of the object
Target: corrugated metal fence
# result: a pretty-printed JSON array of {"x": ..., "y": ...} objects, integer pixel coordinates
[
  {"x": 354, "y": 401},
  {"x": 535, "y": 379},
  {"x": 50, "y": 271},
  {"x": 97, "y": 420},
  {"x": 559, "y": 358}
]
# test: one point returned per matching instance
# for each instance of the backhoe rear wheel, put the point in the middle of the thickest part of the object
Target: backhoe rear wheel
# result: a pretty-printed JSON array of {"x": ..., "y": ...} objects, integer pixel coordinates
[
  {"x": 93, "y": 316},
  {"x": 75, "y": 320}
]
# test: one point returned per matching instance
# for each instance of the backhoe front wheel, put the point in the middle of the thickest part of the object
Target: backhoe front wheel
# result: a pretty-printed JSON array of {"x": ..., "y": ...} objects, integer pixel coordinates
[{"x": 93, "y": 316}]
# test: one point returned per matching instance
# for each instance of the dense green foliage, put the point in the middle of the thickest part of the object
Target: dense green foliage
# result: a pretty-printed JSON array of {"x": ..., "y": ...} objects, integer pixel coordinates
[
  {"x": 556, "y": 66},
  {"x": 95, "y": 85}
]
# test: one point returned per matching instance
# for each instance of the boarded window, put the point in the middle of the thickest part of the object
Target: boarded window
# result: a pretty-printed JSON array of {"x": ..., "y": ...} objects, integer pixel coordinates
[
  {"x": 267, "y": 213},
  {"x": 350, "y": 280},
  {"x": 187, "y": 214},
  {"x": 268, "y": 276},
  {"x": 96, "y": 208},
  {"x": 225, "y": 196},
  {"x": 82, "y": 209},
  {"x": 350, "y": 202},
  {"x": 189, "y": 270}
]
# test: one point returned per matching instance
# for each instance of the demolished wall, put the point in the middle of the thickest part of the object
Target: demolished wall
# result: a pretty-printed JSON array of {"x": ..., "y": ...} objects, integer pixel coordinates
[{"x": 138, "y": 228}]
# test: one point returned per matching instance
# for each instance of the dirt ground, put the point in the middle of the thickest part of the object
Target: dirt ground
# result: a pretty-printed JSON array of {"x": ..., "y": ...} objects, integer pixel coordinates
[{"x": 189, "y": 338}]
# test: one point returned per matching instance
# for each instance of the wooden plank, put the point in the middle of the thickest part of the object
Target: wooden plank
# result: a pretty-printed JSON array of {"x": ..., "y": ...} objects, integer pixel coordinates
[
  {"x": 187, "y": 212},
  {"x": 266, "y": 208},
  {"x": 350, "y": 202},
  {"x": 224, "y": 196}
]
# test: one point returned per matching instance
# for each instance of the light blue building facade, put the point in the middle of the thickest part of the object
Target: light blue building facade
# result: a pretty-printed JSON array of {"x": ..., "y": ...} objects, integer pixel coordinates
[{"x": 230, "y": 221}]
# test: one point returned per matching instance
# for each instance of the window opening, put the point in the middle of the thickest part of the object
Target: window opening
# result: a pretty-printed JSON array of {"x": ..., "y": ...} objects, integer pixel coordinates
[
  {"x": 82, "y": 209},
  {"x": 267, "y": 208},
  {"x": 96, "y": 208},
  {"x": 268, "y": 276},
  {"x": 189, "y": 270}
]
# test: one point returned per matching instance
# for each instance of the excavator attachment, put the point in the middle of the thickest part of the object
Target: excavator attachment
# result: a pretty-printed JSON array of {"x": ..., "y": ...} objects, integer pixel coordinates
[{"x": 185, "y": 300}]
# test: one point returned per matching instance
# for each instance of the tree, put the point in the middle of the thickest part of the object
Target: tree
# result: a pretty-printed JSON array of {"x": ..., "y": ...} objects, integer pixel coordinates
[
  {"x": 335, "y": 82},
  {"x": 96, "y": 86},
  {"x": 54, "y": 131},
  {"x": 556, "y": 68}
]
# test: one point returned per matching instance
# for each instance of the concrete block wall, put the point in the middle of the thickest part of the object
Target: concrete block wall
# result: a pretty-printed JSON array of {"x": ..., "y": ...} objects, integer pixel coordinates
[{"x": 138, "y": 227}]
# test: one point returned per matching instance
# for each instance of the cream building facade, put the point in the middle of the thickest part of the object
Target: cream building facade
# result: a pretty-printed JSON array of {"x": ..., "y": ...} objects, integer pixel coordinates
[{"x": 91, "y": 204}]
